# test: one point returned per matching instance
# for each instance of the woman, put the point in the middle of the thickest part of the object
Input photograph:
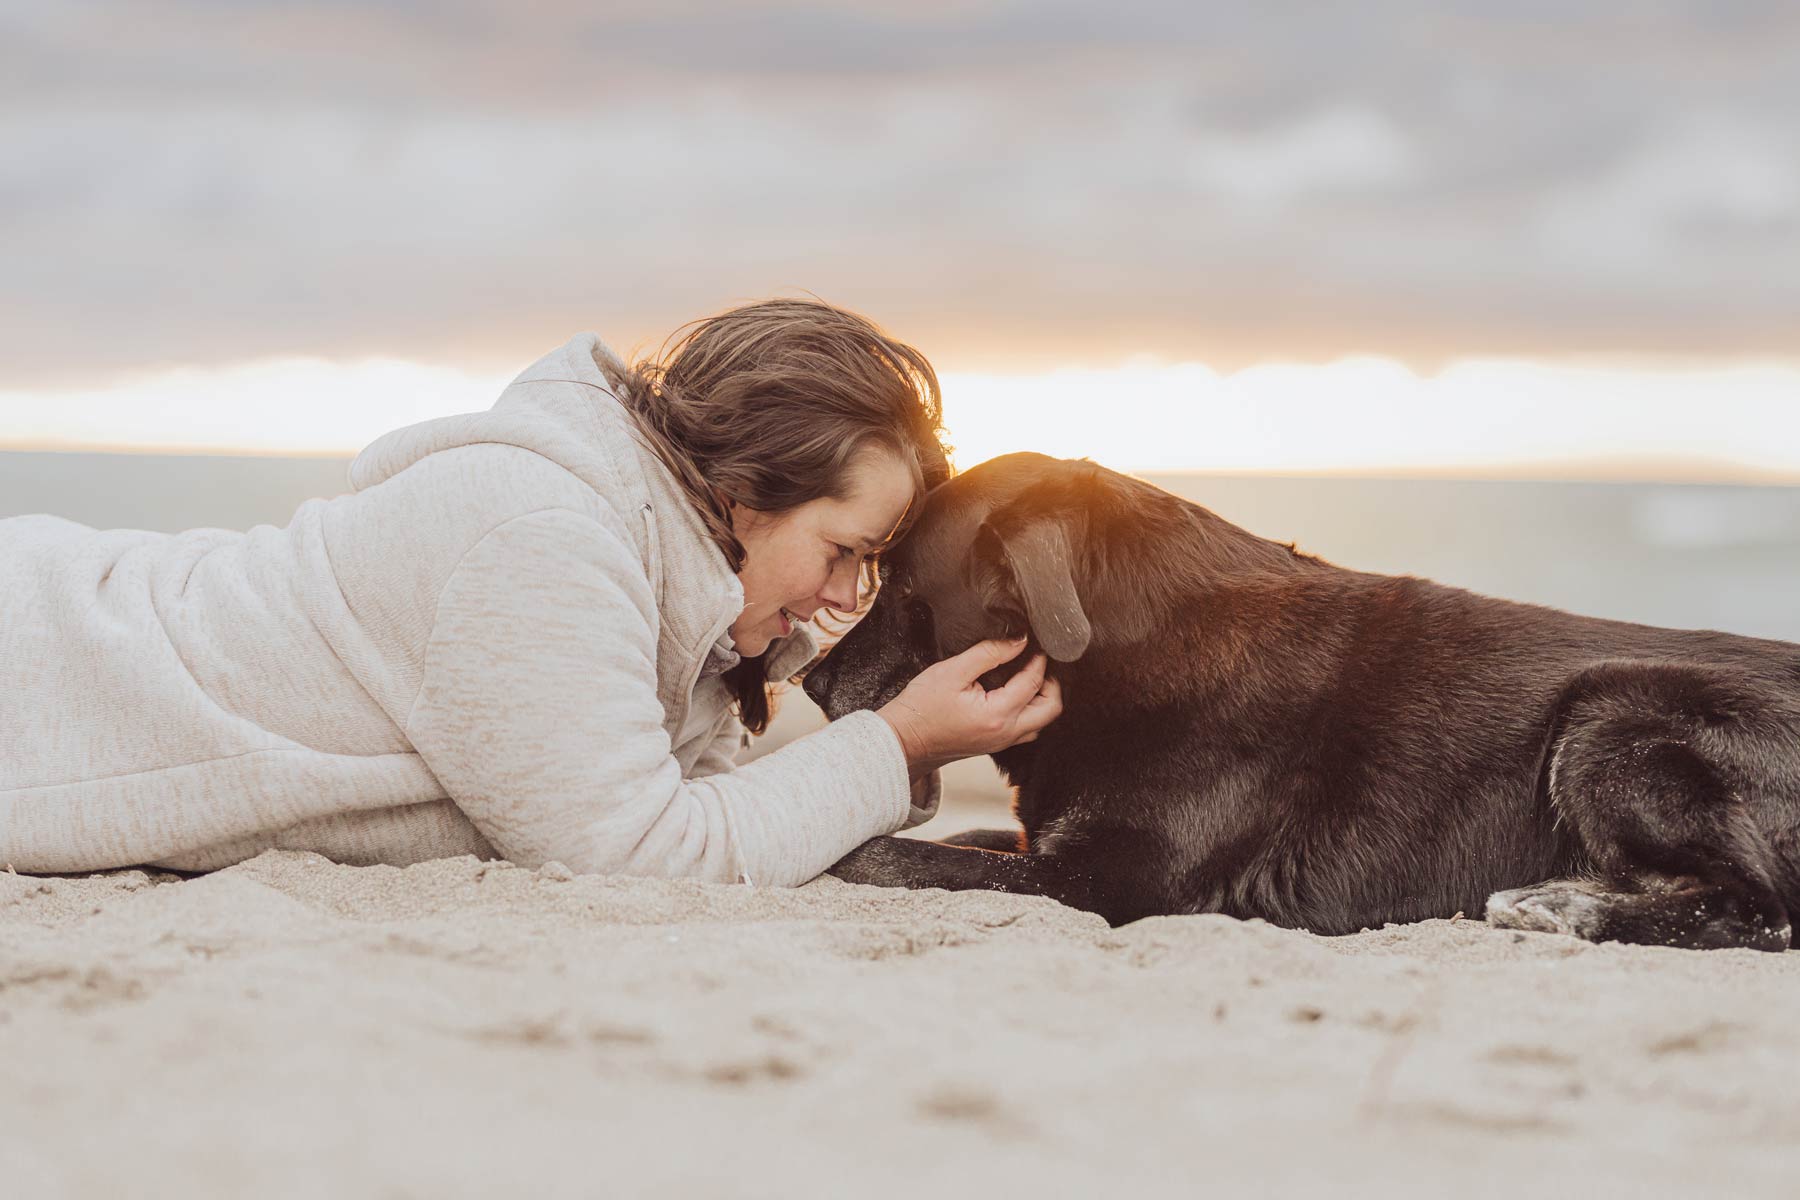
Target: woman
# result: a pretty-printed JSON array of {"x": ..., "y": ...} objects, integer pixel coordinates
[{"x": 536, "y": 633}]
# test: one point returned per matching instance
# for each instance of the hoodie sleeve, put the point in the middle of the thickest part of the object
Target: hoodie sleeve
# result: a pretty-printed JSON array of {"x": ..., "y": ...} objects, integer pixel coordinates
[
  {"x": 721, "y": 753},
  {"x": 538, "y": 712}
]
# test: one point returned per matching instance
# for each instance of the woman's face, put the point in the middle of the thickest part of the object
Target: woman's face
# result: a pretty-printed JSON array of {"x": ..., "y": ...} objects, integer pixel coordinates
[{"x": 811, "y": 557}]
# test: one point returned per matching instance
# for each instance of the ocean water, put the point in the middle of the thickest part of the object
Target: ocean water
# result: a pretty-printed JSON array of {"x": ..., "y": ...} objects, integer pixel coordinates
[
  {"x": 1685, "y": 555},
  {"x": 1700, "y": 556}
]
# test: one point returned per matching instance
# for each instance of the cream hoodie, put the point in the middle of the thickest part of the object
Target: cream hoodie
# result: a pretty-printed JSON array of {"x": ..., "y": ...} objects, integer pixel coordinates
[{"x": 504, "y": 641}]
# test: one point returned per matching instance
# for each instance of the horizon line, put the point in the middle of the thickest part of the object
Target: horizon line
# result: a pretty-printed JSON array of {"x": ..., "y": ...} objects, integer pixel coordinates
[{"x": 1621, "y": 469}]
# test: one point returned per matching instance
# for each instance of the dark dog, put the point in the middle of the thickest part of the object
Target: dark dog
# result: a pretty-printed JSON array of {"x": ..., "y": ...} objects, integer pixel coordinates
[{"x": 1252, "y": 731}]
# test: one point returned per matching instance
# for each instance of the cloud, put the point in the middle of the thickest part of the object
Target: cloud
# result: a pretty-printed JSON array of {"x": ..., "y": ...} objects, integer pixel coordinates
[
  {"x": 1334, "y": 151},
  {"x": 1709, "y": 178},
  {"x": 1001, "y": 182}
]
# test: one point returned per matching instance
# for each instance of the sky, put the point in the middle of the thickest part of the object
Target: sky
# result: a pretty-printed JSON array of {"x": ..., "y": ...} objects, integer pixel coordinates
[{"x": 1435, "y": 236}]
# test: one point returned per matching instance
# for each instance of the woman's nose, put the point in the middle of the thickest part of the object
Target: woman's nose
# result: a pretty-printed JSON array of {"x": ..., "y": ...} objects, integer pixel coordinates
[{"x": 839, "y": 591}]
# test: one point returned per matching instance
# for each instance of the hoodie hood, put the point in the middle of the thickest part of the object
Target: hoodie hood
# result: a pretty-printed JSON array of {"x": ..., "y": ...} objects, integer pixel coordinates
[
  {"x": 583, "y": 429},
  {"x": 586, "y": 430}
]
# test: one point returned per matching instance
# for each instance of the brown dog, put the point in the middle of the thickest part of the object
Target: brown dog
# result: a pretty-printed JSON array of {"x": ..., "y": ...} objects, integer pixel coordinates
[{"x": 1252, "y": 731}]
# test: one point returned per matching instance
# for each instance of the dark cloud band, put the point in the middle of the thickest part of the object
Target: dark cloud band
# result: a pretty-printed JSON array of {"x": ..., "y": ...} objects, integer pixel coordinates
[{"x": 202, "y": 181}]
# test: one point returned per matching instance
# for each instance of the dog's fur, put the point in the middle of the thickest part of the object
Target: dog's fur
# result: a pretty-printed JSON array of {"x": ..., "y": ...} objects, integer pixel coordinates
[{"x": 1252, "y": 731}]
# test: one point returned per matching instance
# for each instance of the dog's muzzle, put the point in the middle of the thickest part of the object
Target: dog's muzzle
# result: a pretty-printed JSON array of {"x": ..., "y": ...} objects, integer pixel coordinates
[{"x": 817, "y": 685}]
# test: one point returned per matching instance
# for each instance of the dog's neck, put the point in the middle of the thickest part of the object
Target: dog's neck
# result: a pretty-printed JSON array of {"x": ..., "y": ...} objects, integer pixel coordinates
[
  {"x": 1177, "y": 572},
  {"x": 1146, "y": 570},
  {"x": 1176, "y": 651}
]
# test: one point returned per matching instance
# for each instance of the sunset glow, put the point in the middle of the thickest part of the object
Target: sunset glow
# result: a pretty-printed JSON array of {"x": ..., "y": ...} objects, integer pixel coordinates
[{"x": 1363, "y": 415}]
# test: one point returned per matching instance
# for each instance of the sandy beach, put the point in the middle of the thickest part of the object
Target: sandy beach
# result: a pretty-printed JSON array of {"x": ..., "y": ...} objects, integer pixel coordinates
[{"x": 292, "y": 1027}]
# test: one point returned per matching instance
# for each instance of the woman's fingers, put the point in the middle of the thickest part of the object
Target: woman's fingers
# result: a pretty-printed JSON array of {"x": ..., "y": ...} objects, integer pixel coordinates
[
  {"x": 1048, "y": 700},
  {"x": 983, "y": 657},
  {"x": 1017, "y": 692},
  {"x": 945, "y": 714},
  {"x": 1031, "y": 700},
  {"x": 1043, "y": 708}
]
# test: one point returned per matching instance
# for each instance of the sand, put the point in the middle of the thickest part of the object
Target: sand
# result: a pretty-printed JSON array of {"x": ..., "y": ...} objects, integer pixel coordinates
[{"x": 291, "y": 1027}]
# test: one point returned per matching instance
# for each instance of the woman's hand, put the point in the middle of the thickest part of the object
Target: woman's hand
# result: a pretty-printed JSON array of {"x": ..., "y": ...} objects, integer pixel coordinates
[{"x": 945, "y": 714}]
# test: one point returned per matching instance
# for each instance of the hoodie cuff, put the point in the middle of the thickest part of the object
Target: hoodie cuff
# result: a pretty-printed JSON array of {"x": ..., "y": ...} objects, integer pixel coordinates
[{"x": 924, "y": 800}]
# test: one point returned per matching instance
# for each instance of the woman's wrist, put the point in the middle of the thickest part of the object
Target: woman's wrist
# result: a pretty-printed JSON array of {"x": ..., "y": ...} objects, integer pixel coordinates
[{"x": 908, "y": 726}]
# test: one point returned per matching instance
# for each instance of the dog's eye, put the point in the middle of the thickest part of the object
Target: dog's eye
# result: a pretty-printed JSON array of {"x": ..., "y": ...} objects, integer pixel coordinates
[{"x": 1012, "y": 623}]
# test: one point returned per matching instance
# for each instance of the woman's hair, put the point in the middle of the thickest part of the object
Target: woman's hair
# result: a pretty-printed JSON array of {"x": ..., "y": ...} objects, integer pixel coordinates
[{"x": 768, "y": 406}]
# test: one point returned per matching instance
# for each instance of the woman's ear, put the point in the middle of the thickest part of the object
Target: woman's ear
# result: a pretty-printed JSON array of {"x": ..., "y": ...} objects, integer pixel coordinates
[{"x": 1039, "y": 555}]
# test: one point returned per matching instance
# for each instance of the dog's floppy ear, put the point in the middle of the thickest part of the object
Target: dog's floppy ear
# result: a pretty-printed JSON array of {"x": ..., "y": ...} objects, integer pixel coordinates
[{"x": 1041, "y": 558}]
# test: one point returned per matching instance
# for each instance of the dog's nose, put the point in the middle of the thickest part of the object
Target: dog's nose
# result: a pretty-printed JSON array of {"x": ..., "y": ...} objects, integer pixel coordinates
[{"x": 817, "y": 684}]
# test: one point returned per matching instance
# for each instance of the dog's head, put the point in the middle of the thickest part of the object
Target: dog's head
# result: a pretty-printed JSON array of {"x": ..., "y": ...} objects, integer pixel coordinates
[{"x": 1008, "y": 548}]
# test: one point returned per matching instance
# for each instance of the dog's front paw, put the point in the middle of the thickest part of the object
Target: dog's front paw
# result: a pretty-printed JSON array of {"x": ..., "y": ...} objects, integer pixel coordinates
[
  {"x": 1559, "y": 906},
  {"x": 875, "y": 862}
]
